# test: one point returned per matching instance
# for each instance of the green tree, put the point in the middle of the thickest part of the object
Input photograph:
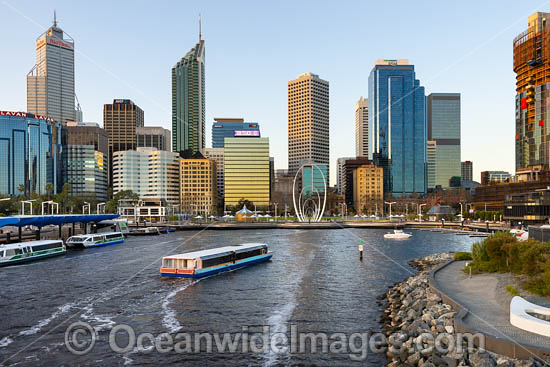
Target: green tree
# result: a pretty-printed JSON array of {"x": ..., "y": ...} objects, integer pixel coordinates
[
  {"x": 49, "y": 190},
  {"x": 249, "y": 205},
  {"x": 112, "y": 205},
  {"x": 21, "y": 189}
]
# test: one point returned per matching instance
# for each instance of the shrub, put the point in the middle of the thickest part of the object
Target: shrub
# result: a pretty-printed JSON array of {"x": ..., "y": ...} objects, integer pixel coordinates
[
  {"x": 513, "y": 291},
  {"x": 463, "y": 256},
  {"x": 479, "y": 252}
]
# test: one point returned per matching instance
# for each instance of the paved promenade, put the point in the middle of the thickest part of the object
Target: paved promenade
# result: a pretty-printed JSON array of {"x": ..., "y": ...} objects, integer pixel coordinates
[{"x": 488, "y": 301}]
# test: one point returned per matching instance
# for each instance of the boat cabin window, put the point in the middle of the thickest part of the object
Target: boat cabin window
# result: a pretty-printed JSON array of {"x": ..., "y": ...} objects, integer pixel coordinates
[
  {"x": 9, "y": 252},
  {"x": 177, "y": 263},
  {"x": 47, "y": 246},
  {"x": 217, "y": 261},
  {"x": 113, "y": 235},
  {"x": 247, "y": 254},
  {"x": 1, "y": 253}
]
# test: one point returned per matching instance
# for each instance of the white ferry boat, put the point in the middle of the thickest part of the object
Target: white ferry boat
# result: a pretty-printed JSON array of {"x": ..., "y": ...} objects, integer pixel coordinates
[
  {"x": 202, "y": 263},
  {"x": 398, "y": 234},
  {"x": 16, "y": 253},
  {"x": 95, "y": 239}
]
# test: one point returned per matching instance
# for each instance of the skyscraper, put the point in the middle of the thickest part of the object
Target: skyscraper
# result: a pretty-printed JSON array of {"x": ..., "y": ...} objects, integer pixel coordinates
[
  {"x": 308, "y": 121},
  {"x": 362, "y": 127},
  {"x": 444, "y": 130},
  {"x": 188, "y": 106},
  {"x": 154, "y": 137},
  {"x": 532, "y": 68},
  {"x": 217, "y": 155},
  {"x": 120, "y": 120},
  {"x": 431, "y": 152},
  {"x": 227, "y": 127},
  {"x": 467, "y": 171},
  {"x": 50, "y": 83},
  {"x": 341, "y": 174},
  {"x": 397, "y": 127}
]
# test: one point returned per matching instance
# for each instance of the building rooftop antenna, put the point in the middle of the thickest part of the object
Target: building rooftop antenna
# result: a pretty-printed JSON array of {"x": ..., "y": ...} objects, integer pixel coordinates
[
  {"x": 54, "y": 19},
  {"x": 200, "y": 31}
]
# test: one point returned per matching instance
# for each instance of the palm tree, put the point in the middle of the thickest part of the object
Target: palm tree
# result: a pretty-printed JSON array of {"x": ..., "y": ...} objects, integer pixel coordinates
[
  {"x": 21, "y": 189},
  {"x": 49, "y": 190}
]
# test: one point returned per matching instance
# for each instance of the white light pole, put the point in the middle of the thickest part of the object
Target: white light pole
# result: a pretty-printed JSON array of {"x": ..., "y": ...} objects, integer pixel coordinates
[
  {"x": 52, "y": 203},
  {"x": 86, "y": 205},
  {"x": 23, "y": 205},
  {"x": 390, "y": 204},
  {"x": 420, "y": 212},
  {"x": 98, "y": 207},
  {"x": 460, "y": 211}
]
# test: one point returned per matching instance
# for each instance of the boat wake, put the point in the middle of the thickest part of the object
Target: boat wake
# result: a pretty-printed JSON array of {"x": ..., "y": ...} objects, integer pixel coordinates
[
  {"x": 5, "y": 341},
  {"x": 45, "y": 322},
  {"x": 169, "y": 320}
]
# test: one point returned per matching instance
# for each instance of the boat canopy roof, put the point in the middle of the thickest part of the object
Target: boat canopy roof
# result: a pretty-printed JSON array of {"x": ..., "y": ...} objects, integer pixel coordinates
[
  {"x": 216, "y": 252},
  {"x": 29, "y": 243}
]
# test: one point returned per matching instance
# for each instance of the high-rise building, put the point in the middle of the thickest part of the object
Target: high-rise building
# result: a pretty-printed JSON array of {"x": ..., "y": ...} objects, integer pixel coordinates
[
  {"x": 314, "y": 178},
  {"x": 31, "y": 146},
  {"x": 247, "y": 170},
  {"x": 308, "y": 121},
  {"x": 198, "y": 186},
  {"x": 362, "y": 127},
  {"x": 444, "y": 129},
  {"x": 86, "y": 160},
  {"x": 148, "y": 172},
  {"x": 121, "y": 120},
  {"x": 188, "y": 103},
  {"x": 532, "y": 68},
  {"x": 153, "y": 137},
  {"x": 431, "y": 153},
  {"x": 397, "y": 127},
  {"x": 341, "y": 174},
  {"x": 217, "y": 155},
  {"x": 232, "y": 127},
  {"x": 488, "y": 177},
  {"x": 368, "y": 189},
  {"x": 467, "y": 171},
  {"x": 349, "y": 166},
  {"x": 50, "y": 83}
]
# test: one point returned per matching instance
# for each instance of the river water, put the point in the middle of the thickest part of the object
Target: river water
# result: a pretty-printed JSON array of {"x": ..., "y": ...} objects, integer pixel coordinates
[{"x": 315, "y": 283}]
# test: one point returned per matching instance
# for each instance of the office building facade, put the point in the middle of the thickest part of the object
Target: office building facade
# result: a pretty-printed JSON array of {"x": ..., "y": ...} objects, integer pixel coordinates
[
  {"x": 341, "y": 174},
  {"x": 198, "y": 186},
  {"x": 308, "y": 121},
  {"x": 51, "y": 82},
  {"x": 362, "y": 128},
  {"x": 86, "y": 160},
  {"x": 148, "y": 172},
  {"x": 397, "y": 127},
  {"x": 431, "y": 157},
  {"x": 153, "y": 137},
  {"x": 247, "y": 171},
  {"x": 368, "y": 189},
  {"x": 32, "y": 148},
  {"x": 532, "y": 68},
  {"x": 188, "y": 102},
  {"x": 467, "y": 171},
  {"x": 314, "y": 179},
  {"x": 121, "y": 120},
  {"x": 444, "y": 129},
  {"x": 488, "y": 177},
  {"x": 217, "y": 156},
  {"x": 232, "y": 127}
]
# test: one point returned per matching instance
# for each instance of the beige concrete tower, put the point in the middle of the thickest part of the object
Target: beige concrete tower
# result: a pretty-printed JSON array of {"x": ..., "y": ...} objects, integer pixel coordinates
[
  {"x": 362, "y": 128},
  {"x": 308, "y": 121}
]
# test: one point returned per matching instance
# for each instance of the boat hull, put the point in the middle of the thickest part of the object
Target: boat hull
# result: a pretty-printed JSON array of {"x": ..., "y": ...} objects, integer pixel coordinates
[
  {"x": 205, "y": 272},
  {"x": 28, "y": 259},
  {"x": 105, "y": 244}
]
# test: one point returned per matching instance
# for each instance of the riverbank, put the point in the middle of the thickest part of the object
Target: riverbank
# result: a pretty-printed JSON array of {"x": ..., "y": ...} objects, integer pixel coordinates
[{"x": 421, "y": 330}]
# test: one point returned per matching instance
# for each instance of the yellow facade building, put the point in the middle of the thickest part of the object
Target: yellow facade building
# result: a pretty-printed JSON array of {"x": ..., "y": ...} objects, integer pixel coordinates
[
  {"x": 198, "y": 186},
  {"x": 368, "y": 189},
  {"x": 247, "y": 171}
]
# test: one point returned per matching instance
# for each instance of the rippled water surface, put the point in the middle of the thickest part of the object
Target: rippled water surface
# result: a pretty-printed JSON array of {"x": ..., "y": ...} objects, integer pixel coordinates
[{"x": 315, "y": 281}]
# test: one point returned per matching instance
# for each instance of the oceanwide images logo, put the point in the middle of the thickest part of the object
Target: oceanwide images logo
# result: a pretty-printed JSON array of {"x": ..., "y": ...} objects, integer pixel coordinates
[{"x": 81, "y": 338}]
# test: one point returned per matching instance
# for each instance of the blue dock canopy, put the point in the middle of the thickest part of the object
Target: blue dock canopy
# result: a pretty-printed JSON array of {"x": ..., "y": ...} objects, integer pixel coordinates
[{"x": 44, "y": 220}]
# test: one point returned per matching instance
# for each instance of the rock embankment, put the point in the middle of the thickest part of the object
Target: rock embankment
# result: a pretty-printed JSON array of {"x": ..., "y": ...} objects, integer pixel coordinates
[{"x": 420, "y": 329}]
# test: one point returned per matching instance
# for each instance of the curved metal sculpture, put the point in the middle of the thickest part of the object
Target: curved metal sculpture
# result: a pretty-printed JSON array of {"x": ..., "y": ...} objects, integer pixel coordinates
[{"x": 309, "y": 208}]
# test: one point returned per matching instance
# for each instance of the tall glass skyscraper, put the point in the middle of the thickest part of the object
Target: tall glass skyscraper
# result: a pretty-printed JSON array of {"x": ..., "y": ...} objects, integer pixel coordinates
[
  {"x": 226, "y": 127},
  {"x": 397, "y": 126},
  {"x": 50, "y": 83},
  {"x": 444, "y": 130},
  {"x": 188, "y": 106},
  {"x": 31, "y": 148}
]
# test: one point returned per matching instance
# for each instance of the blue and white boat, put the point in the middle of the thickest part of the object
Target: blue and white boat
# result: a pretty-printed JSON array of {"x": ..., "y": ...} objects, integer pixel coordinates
[
  {"x": 202, "y": 263},
  {"x": 95, "y": 240}
]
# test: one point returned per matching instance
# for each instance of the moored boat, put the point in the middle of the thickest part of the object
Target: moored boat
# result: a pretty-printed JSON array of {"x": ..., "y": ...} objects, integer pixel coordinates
[
  {"x": 95, "y": 240},
  {"x": 21, "y": 252},
  {"x": 146, "y": 231},
  {"x": 202, "y": 263},
  {"x": 398, "y": 234}
]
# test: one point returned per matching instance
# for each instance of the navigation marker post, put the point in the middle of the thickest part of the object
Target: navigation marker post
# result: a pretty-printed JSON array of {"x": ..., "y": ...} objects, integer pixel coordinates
[{"x": 360, "y": 250}]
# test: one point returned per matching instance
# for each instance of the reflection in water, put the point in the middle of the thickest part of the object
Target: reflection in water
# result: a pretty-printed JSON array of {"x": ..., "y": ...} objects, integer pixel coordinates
[{"x": 315, "y": 282}]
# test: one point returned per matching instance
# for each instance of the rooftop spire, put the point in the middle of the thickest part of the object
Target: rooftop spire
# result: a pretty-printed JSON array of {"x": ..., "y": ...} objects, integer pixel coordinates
[
  {"x": 54, "y": 19},
  {"x": 200, "y": 34}
]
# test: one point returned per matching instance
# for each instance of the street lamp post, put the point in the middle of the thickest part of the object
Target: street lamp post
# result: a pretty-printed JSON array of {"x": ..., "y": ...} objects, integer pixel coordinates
[
  {"x": 99, "y": 205},
  {"x": 390, "y": 204},
  {"x": 86, "y": 205},
  {"x": 461, "y": 211},
  {"x": 420, "y": 212},
  {"x": 23, "y": 205}
]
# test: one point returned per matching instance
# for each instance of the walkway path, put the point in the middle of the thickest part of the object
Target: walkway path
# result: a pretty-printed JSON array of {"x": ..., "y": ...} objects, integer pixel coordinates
[{"x": 488, "y": 301}]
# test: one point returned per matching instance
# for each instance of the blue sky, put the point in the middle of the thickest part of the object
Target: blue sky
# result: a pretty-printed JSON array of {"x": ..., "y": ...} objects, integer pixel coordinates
[{"x": 125, "y": 49}]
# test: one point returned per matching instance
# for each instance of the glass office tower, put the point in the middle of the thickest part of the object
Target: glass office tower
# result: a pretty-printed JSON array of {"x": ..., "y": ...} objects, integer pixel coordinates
[
  {"x": 397, "y": 127},
  {"x": 314, "y": 178},
  {"x": 444, "y": 130},
  {"x": 31, "y": 147},
  {"x": 225, "y": 128}
]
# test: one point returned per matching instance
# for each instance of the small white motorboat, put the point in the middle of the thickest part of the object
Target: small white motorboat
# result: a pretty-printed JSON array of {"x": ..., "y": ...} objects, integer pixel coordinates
[{"x": 398, "y": 234}]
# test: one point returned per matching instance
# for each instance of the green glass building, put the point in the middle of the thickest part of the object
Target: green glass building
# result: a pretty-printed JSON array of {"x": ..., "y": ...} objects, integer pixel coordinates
[{"x": 188, "y": 107}]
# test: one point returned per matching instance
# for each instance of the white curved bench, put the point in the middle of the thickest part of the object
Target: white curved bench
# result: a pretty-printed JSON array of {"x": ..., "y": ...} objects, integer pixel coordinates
[{"x": 520, "y": 317}]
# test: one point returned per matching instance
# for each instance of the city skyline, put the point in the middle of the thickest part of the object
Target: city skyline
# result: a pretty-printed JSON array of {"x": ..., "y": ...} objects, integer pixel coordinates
[{"x": 116, "y": 77}]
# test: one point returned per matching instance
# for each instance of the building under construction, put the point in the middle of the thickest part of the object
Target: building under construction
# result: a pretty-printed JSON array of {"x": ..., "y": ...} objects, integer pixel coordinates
[{"x": 532, "y": 68}]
